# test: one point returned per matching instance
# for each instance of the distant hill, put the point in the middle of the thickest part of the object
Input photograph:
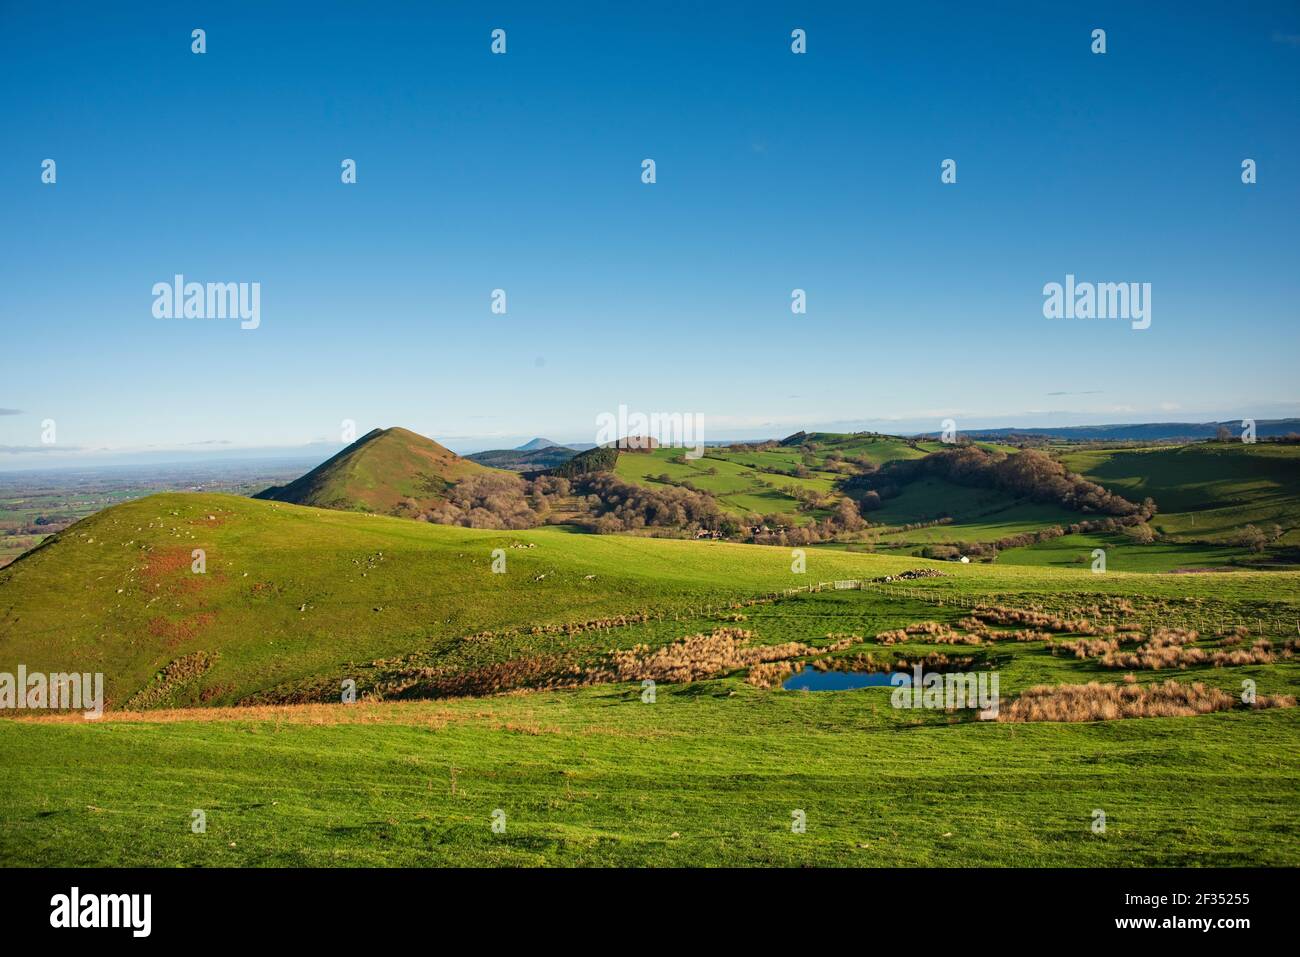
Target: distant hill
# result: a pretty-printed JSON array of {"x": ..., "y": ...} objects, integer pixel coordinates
[
  {"x": 1141, "y": 432},
  {"x": 518, "y": 460},
  {"x": 377, "y": 472},
  {"x": 536, "y": 445}
]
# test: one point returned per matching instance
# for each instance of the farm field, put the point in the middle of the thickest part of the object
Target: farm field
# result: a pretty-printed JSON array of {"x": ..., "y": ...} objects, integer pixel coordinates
[
  {"x": 733, "y": 479},
  {"x": 708, "y": 775},
  {"x": 1122, "y": 554}
]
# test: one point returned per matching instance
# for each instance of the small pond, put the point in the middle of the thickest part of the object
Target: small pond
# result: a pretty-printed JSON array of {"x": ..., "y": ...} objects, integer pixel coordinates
[{"x": 812, "y": 680}]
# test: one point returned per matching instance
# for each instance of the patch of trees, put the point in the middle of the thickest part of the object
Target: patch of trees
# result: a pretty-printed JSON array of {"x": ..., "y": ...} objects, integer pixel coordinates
[
  {"x": 584, "y": 463},
  {"x": 1029, "y": 474},
  {"x": 483, "y": 501},
  {"x": 619, "y": 506},
  {"x": 754, "y": 446},
  {"x": 1254, "y": 538}
]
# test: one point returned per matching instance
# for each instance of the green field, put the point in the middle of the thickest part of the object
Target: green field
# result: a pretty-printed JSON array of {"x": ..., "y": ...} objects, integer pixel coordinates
[
  {"x": 709, "y": 774},
  {"x": 1122, "y": 555},
  {"x": 738, "y": 487},
  {"x": 756, "y": 481}
]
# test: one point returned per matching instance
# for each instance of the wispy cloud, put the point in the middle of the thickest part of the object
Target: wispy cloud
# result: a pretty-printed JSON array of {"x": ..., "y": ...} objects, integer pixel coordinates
[
  {"x": 1089, "y": 392},
  {"x": 11, "y": 411},
  {"x": 1290, "y": 39}
]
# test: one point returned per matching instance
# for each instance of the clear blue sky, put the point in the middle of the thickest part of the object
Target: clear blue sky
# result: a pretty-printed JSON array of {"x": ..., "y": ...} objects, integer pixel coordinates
[{"x": 522, "y": 172}]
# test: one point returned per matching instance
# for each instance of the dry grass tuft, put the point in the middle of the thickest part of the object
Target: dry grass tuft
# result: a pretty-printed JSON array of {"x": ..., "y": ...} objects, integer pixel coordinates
[
  {"x": 1107, "y": 702},
  {"x": 929, "y": 632},
  {"x": 1087, "y": 647},
  {"x": 694, "y": 657}
]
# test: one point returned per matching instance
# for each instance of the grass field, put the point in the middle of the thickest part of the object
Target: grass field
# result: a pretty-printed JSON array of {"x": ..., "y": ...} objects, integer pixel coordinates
[
  {"x": 701, "y": 777},
  {"x": 732, "y": 478},
  {"x": 708, "y": 774},
  {"x": 1122, "y": 555}
]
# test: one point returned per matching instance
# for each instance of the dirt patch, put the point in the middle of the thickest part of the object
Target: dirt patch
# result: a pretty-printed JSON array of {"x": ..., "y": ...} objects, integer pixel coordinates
[
  {"x": 173, "y": 633},
  {"x": 169, "y": 570}
]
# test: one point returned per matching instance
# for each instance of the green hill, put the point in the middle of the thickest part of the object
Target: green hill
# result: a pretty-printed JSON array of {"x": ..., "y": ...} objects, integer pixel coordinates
[
  {"x": 377, "y": 472},
  {"x": 1207, "y": 491},
  {"x": 290, "y": 592}
]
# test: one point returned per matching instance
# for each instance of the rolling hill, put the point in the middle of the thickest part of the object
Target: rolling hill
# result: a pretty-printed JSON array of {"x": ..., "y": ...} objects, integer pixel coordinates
[
  {"x": 524, "y": 459},
  {"x": 1208, "y": 491},
  {"x": 292, "y": 592},
  {"x": 377, "y": 472}
]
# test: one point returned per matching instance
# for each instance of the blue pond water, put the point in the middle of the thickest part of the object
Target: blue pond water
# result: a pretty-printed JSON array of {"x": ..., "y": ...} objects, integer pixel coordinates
[{"x": 812, "y": 680}]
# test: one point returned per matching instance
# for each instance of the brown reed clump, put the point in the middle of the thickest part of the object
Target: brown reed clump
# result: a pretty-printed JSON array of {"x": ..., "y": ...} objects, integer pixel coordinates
[
  {"x": 1107, "y": 702},
  {"x": 692, "y": 658},
  {"x": 1002, "y": 615},
  {"x": 770, "y": 674},
  {"x": 931, "y": 632},
  {"x": 1087, "y": 647},
  {"x": 1173, "y": 636},
  {"x": 840, "y": 642},
  {"x": 1165, "y": 650},
  {"x": 980, "y": 629}
]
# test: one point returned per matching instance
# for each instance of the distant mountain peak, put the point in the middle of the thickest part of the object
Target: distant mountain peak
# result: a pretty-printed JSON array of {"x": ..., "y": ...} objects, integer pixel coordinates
[
  {"x": 379, "y": 472},
  {"x": 535, "y": 444}
]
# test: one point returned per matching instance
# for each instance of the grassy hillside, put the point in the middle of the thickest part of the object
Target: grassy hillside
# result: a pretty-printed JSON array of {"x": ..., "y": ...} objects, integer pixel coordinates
[
  {"x": 292, "y": 591},
  {"x": 759, "y": 480},
  {"x": 732, "y": 480},
  {"x": 708, "y": 775},
  {"x": 1206, "y": 491},
  {"x": 377, "y": 472}
]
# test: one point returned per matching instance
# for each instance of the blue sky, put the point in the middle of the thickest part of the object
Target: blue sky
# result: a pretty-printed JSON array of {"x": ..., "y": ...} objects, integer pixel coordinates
[{"x": 522, "y": 172}]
